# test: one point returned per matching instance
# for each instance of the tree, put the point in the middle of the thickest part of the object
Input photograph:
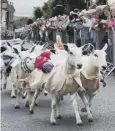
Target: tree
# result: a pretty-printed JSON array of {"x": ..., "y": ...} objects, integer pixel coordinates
[
  {"x": 56, "y": 10},
  {"x": 67, "y": 6},
  {"x": 22, "y": 21},
  {"x": 46, "y": 9},
  {"x": 58, "y": 7},
  {"x": 102, "y": 2},
  {"x": 37, "y": 12}
]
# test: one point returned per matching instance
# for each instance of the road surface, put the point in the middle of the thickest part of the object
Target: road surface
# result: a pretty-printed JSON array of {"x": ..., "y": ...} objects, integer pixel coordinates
[{"x": 103, "y": 109}]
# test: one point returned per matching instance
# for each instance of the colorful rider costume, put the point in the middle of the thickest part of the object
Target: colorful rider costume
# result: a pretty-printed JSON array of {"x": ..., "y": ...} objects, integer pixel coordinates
[{"x": 42, "y": 62}]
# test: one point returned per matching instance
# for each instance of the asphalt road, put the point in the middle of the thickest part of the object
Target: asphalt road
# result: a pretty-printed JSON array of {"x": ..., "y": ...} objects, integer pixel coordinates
[{"x": 103, "y": 109}]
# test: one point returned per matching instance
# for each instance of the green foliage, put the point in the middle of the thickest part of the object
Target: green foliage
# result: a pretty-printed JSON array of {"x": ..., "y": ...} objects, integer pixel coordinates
[
  {"x": 22, "y": 21},
  {"x": 37, "y": 12},
  {"x": 50, "y": 7},
  {"x": 67, "y": 6},
  {"x": 102, "y": 2},
  {"x": 46, "y": 9}
]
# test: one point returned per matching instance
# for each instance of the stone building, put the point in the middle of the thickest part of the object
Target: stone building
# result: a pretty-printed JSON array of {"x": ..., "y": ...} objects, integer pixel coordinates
[{"x": 7, "y": 15}]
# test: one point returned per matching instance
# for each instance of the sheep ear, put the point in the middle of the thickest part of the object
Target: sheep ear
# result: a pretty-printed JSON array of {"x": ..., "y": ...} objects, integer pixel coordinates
[
  {"x": 87, "y": 49},
  {"x": 105, "y": 47},
  {"x": 53, "y": 51},
  {"x": 76, "y": 45},
  {"x": 82, "y": 47},
  {"x": 23, "y": 42},
  {"x": 33, "y": 48},
  {"x": 16, "y": 51},
  {"x": 66, "y": 47},
  {"x": 9, "y": 44}
]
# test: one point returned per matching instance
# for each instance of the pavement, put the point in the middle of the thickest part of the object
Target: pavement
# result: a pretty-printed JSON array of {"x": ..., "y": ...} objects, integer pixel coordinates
[{"x": 103, "y": 109}]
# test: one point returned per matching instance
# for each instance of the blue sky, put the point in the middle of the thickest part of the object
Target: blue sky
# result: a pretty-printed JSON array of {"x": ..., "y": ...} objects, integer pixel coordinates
[{"x": 25, "y": 7}]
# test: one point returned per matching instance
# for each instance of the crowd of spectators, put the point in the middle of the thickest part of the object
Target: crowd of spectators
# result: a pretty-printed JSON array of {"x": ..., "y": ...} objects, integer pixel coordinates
[
  {"x": 7, "y": 35},
  {"x": 95, "y": 25}
]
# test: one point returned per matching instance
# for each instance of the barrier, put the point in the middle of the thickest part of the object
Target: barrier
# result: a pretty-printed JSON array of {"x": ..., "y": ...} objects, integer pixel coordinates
[{"x": 113, "y": 29}]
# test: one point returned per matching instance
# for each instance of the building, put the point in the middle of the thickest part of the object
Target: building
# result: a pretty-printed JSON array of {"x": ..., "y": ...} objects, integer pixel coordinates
[
  {"x": 7, "y": 15},
  {"x": 10, "y": 17}
]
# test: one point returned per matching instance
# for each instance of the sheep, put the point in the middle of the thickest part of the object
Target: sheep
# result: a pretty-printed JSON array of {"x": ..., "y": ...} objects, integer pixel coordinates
[
  {"x": 90, "y": 73},
  {"x": 12, "y": 52},
  {"x": 18, "y": 73},
  {"x": 8, "y": 57}
]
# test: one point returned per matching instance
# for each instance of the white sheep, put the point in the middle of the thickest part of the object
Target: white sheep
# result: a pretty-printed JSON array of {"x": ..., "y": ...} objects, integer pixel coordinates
[
  {"x": 19, "y": 73},
  {"x": 90, "y": 73}
]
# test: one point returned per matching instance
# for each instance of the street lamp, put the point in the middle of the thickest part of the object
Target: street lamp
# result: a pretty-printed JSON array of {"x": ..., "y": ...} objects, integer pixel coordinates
[{"x": 59, "y": 4}]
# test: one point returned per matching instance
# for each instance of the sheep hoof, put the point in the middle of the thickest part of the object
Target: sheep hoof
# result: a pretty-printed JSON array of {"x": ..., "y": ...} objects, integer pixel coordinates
[
  {"x": 104, "y": 84},
  {"x": 13, "y": 96},
  {"x": 80, "y": 124},
  {"x": 83, "y": 110},
  {"x": 17, "y": 107},
  {"x": 53, "y": 123},
  {"x": 4, "y": 86},
  {"x": 26, "y": 105},
  {"x": 62, "y": 98},
  {"x": 36, "y": 104},
  {"x": 59, "y": 117},
  {"x": 102, "y": 80},
  {"x": 90, "y": 120},
  {"x": 45, "y": 94},
  {"x": 32, "y": 92},
  {"x": 23, "y": 97},
  {"x": 31, "y": 112}
]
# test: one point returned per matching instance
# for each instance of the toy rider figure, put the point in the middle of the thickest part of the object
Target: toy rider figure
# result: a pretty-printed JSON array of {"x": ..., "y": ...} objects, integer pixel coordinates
[{"x": 43, "y": 61}]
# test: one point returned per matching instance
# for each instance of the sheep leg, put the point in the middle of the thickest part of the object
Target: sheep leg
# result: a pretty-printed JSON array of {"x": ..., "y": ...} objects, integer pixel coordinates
[
  {"x": 1, "y": 79},
  {"x": 27, "y": 103},
  {"x": 5, "y": 82},
  {"x": 18, "y": 99},
  {"x": 13, "y": 92},
  {"x": 45, "y": 92},
  {"x": 24, "y": 94},
  {"x": 91, "y": 96},
  {"x": 37, "y": 92},
  {"x": 87, "y": 96},
  {"x": 53, "y": 109},
  {"x": 86, "y": 103},
  {"x": 4, "y": 79},
  {"x": 58, "y": 115},
  {"x": 75, "y": 106}
]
